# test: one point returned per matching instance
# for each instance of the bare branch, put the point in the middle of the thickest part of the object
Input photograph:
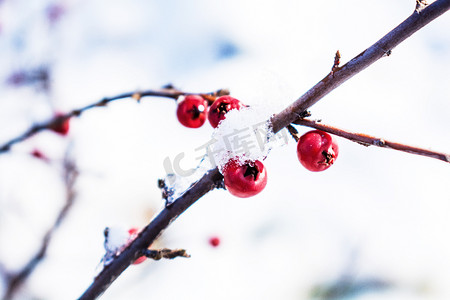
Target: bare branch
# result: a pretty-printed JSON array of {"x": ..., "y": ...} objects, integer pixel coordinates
[
  {"x": 213, "y": 178},
  {"x": 368, "y": 140},
  {"x": 208, "y": 182},
  {"x": 412, "y": 24},
  {"x": 15, "y": 281},
  {"x": 168, "y": 92}
]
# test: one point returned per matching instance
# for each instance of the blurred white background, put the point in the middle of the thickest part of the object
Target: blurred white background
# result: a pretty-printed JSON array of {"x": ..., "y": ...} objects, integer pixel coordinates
[{"x": 376, "y": 224}]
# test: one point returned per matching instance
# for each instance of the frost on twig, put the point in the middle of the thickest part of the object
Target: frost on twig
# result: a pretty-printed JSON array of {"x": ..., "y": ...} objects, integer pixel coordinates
[
  {"x": 178, "y": 181},
  {"x": 117, "y": 239}
]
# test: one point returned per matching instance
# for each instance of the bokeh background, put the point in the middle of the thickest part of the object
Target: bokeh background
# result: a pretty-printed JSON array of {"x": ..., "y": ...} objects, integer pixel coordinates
[{"x": 374, "y": 226}]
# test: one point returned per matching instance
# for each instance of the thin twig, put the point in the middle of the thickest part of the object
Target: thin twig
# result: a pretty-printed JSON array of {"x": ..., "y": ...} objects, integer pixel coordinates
[
  {"x": 16, "y": 280},
  {"x": 213, "y": 178},
  {"x": 165, "y": 253},
  {"x": 168, "y": 92},
  {"x": 368, "y": 140}
]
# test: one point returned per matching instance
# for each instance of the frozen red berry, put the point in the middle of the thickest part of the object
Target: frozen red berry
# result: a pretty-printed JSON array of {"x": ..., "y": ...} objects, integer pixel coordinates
[
  {"x": 60, "y": 124},
  {"x": 317, "y": 150},
  {"x": 220, "y": 107},
  {"x": 133, "y": 232},
  {"x": 214, "y": 241},
  {"x": 192, "y": 110},
  {"x": 244, "y": 180}
]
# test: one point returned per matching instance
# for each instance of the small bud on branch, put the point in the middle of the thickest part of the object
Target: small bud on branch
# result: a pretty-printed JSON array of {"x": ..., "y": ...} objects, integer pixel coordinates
[{"x": 165, "y": 253}]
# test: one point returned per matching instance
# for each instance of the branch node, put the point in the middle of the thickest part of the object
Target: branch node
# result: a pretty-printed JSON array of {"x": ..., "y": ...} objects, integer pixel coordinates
[
  {"x": 220, "y": 185},
  {"x": 386, "y": 52},
  {"x": 420, "y": 5},
  {"x": 293, "y": 132},
  {"x": 137, "y": 96},
  {"x": 379, "y": 142},
  {"x": 337, "y": 62},
  {"x": 103, "y": 102}
]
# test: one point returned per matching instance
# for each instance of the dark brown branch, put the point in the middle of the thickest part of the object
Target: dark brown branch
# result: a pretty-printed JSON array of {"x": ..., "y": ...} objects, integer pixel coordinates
[
  {"x": 368, "y": 140},
  {"x": 213, "y": 178},
  {"x": 165, "y": 253},
  {"x": 15, "y": 281},
  {"x": 208, "y": 182},
  {"x": 168, "y": 92},
  {"x": 412, "y": 24}
]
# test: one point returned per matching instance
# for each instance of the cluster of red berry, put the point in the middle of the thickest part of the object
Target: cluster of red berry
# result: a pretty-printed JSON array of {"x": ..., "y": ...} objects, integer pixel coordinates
[
  {"x": 241, "y": 180},
  {"x": 193, "y": 110},
  {"x": 316, "y": 150}
]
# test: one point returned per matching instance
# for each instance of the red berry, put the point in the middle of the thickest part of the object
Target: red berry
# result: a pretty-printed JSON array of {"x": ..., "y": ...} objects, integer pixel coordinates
[
  {"x": 317, "y": 150},
  {"x": 214, "y": 241},
  {"x": 139, "y": 260},
  {"x": 39, "y": 155},
  {"x": 244, "y": 180},
  {"x": 133, "y": 232},
  {"x": 192, "y": 110},
  {"x": 61, "y": 124},
  {"x": 220, "y": 107}
]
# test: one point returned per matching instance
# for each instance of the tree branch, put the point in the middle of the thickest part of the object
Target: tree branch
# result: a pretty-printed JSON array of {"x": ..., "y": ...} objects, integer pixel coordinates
[
  {"x": 208, "y": 182},
  {"x": 167, "y": 92},
  {"x": 339, "y": 75},
  {"x": 15, "y": 281},
  {"x": 368, "y": 140},
  {"x": 213, "y": 177}
]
